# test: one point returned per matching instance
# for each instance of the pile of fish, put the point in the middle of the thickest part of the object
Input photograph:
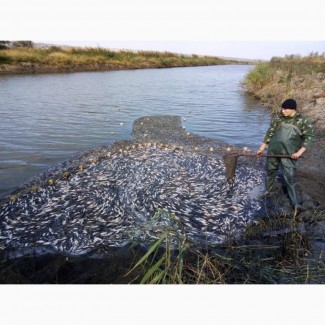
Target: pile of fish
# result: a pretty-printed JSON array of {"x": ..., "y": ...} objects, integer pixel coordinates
[{"x": 132, "y": 196}]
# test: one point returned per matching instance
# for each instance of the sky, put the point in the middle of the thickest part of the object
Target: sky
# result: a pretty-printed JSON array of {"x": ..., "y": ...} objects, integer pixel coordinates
[
  {"x": 249, "y": 29},
  {"x": 252, "y": 29}
]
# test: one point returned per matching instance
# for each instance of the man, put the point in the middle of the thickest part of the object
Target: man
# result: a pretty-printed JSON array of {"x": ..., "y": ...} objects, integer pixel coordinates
[{"x": 289, "y": 134}]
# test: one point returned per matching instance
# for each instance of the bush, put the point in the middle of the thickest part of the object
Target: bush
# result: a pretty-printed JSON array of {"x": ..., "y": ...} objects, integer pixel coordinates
[{"x": 261, "y": 75}]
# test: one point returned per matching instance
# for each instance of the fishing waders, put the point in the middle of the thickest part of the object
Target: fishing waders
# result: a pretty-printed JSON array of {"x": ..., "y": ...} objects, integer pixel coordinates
[{"x": 285, "y": 141}]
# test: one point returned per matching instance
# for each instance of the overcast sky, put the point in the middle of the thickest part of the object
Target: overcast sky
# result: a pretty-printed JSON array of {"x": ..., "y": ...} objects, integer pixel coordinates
[{"x": 235, "y": 28}]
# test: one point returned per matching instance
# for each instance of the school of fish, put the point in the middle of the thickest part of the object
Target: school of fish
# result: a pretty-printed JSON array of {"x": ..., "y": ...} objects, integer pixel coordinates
[{"x": 132, "y": 195}]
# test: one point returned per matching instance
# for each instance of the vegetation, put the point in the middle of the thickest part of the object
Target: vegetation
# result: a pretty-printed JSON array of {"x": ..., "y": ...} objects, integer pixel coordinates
[
  {"x": 291, "y": 76},
  {"x": 261, "y": 75},
  {"x": 296, "y": 64},
  {"x": 97, "y": 58},
  {"x": 282, "y": 70}
]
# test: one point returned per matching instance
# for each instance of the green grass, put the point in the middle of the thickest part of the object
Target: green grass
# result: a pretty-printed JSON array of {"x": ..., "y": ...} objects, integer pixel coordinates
[{"x": 261, "y": 75}]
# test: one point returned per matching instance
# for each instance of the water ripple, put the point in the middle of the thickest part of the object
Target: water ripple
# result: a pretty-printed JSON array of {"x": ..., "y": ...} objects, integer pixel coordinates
[{"x": 60, "y": 115}]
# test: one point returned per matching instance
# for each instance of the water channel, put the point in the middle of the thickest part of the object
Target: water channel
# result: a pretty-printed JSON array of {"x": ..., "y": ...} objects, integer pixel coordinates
[{"x": 49, "y": 118}]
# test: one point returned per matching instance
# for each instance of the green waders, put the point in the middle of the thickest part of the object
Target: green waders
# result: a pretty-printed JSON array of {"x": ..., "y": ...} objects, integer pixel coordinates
[{"x": 285, "y": 141}]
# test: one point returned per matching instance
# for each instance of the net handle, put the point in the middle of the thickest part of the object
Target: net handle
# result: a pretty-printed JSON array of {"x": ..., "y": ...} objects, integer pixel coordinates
[
  {"x": 261, "y": 156},
  {"x": 230, "y": 161}
]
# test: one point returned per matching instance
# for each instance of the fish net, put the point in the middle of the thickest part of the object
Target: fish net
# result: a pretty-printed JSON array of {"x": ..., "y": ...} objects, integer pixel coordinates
[{"x": 230, "y": 162}]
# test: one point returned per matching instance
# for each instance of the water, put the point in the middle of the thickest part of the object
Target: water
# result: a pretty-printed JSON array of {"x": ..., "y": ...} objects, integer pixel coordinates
[{"x": 50, "y": 118}]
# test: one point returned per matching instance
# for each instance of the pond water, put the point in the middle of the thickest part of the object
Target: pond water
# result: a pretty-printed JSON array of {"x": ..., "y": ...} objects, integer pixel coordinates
[{"x": 49, "y": 118}]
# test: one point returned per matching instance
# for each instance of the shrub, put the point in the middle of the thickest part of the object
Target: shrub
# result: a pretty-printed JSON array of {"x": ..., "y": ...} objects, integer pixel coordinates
[{"x": 261, "y": 75}]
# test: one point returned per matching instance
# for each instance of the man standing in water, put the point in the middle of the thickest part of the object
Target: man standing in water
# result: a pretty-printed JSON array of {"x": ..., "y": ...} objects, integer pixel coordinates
[{"x": 289, "y": 134}]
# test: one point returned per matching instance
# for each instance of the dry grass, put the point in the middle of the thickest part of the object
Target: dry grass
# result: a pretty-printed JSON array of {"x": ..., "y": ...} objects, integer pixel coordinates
[
  {"x": 282, "y": 70},
  {"x": 60, "y": 57}
]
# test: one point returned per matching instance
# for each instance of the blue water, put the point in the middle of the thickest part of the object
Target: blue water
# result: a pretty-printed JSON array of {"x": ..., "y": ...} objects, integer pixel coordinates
[{"x": 49, "y": 118}]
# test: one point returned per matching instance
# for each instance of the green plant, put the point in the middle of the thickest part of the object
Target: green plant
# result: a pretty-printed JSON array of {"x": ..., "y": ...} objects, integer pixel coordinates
[
  {"x": 4, "y": 58},
  {"x": 261, "y": 75},
  {"x": 163, "y": 262}
]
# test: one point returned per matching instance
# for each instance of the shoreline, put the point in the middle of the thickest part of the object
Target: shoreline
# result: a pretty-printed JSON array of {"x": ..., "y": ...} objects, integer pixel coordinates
[
  {"x": 32, "y": 69},
  {"x": 54, "y": 59}
]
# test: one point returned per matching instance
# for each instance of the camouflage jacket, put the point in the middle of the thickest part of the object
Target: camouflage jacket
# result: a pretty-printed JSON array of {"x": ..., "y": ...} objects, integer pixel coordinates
[{"x": 299, "y": 121}]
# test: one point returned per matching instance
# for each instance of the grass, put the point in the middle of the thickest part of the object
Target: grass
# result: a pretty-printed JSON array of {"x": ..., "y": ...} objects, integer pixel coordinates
[
  {"x": 300, "y": 65},
  {"x": 261, "y": 75},
  {"x": 100, "y": 57},
  {"x": 266, "y": 73},
  {"x": 291, "y": 76}
]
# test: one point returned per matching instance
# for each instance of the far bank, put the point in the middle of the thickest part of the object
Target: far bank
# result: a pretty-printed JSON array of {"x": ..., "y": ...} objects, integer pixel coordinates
[{"x": 54, "y": 59}]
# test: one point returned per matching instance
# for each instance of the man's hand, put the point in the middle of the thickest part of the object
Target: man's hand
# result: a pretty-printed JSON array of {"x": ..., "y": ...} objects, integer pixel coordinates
[
  {"x": 259, "y": 152},
  {"x": 297, "y": 154}
]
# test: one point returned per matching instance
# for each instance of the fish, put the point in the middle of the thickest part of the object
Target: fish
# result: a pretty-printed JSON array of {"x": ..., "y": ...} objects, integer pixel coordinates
[{"x": 119, "y": 200}]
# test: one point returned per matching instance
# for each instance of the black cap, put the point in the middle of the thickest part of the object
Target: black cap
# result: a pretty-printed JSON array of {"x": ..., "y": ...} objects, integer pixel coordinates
[{"x": 289, "y": 103}]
